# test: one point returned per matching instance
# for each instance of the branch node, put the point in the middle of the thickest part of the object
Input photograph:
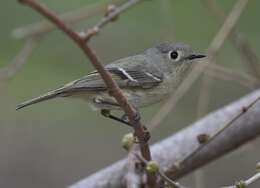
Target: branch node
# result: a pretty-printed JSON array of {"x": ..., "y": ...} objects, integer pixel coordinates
[
  {"x": 110, "y": 9},
  {"x": 203, "y": 138},
  {"x": 244, "y": 109},
  {"x": 90, "y": 33},
  {"x": 240, "y": 184}
]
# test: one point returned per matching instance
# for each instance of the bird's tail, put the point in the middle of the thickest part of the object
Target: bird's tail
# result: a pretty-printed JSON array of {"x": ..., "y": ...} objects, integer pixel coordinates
[{"x": 44, "y": 97}]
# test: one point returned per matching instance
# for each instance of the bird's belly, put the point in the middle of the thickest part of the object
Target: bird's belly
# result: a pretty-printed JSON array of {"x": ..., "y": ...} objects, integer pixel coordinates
[{"x": 138, "y": 98}]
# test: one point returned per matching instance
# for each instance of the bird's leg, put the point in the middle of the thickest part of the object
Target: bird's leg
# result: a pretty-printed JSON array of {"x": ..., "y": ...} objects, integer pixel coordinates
[
  {"x": 106, "y": 113},
  {"x": 124, "y": 120},
  {"x": 125, "y": 117},
  {"x": 136, "y": 118}
]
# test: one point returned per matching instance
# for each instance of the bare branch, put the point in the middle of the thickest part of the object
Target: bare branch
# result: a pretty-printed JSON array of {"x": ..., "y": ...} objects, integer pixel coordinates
[
  {"x": 251, "y": 59},
  {"x": 237, "y": 39},
  {"x": 247, "y": 182},
  {"x": 139, "y": 130},
  {"x": 223, "y": 73},
  {"x": 170, "y": 151},
  {"x": 204, "y": 96},
  {"x": 108, "y": 18},
  {"x": 227, "y": 27},
  {"x": 44, "y": 27}
]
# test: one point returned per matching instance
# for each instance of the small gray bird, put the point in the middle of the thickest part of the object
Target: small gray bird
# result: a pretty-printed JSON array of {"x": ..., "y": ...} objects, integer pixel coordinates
[{"x": 145, "y": 79}]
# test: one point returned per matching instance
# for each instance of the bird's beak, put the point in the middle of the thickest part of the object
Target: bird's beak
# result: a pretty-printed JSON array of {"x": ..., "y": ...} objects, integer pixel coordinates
[{"x": 195, "y": 56}]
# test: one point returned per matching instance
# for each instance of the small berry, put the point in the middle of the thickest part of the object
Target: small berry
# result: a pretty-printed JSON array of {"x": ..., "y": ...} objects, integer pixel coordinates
[
  {"x": 127, "y": 141},
  {"x": 152, "y": 167}
]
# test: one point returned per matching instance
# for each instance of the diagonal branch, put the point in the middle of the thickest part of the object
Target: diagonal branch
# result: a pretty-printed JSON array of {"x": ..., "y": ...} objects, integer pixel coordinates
[{"x": 113, "y": 89}]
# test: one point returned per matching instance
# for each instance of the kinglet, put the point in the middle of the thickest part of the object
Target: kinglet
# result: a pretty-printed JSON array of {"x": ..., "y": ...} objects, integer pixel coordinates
[{"x": 145, "y": 79}]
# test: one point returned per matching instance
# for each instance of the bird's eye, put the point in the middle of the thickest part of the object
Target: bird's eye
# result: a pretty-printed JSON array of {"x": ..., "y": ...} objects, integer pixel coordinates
[{"x": 173, "y": 55}]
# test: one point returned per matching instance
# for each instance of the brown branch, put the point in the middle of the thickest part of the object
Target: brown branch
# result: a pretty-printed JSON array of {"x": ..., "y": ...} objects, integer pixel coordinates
[
  {"x": 112, "y": 86},
  {"x": 170, "y": 151},
  {"x": 108, "y": 18},
  {"x": 43, "y": 27},
  {"x": 213, "y": 50}
]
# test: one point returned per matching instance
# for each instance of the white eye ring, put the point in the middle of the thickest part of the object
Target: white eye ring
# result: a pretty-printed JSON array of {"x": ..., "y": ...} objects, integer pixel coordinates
[{"x": 175, "y": 55}]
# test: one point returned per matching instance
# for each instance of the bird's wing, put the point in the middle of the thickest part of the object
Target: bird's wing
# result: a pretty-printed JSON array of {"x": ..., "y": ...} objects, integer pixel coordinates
[
  {"x": 124, "y": 78},
  {"x": 132, "y": 76}
]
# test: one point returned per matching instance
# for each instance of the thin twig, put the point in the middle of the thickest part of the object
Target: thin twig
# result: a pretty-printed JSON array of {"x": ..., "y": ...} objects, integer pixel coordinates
[
  {"x": 249, "y": 181},
  {"x": 213, "y": 49},
  {"x": 162, "y": 175},
  {"x": 113, "y": 88},
  {"x": 170, "y": 181},
  {"x": 108, "y": 18},
  {"x": 252, "y": 61},
  {"x": 73, "y": 17},
  {"x": 223, "y": 73},
  {"x": 19, "y": 60},
  {"x": 204, "y": 97},
  {"x": 237, "y": 39}
]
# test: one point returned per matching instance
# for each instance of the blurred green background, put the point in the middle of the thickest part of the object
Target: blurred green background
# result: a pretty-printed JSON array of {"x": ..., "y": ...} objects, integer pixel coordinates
[{"x": 56, "y": 143}]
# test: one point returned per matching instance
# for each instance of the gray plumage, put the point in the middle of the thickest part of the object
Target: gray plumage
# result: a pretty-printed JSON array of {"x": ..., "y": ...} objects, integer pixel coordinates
[{"x": 145, "y": 79}]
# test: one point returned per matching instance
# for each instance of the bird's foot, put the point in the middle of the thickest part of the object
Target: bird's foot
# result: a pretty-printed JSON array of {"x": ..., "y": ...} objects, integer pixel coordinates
[{"x": 106, "y": 113}]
